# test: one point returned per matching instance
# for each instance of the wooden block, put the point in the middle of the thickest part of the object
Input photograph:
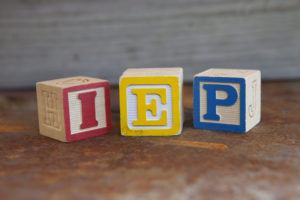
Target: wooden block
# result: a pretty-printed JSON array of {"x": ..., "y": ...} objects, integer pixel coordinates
[
  {"x": 73, "y": 108},
  {"x": 151, "y": 102},
  {"x": 227, "y": 99}
]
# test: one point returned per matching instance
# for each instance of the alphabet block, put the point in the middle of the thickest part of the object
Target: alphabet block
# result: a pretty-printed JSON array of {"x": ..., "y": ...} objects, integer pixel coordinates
[
  {"x": 151, "y": 102},
  {"x": 73, "y": 108},
  {"x": 227, "y": 99}
]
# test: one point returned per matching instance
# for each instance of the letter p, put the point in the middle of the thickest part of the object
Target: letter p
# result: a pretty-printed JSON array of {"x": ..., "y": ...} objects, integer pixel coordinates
[{"x": 213, "y": 102}]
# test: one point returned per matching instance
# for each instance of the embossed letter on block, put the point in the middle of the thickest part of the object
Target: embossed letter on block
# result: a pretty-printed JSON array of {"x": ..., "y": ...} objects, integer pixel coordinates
[
  {"x": 151, "y": 102},
  {"x": 227, "y": 99},
  {"x": 74, "y": 108}
]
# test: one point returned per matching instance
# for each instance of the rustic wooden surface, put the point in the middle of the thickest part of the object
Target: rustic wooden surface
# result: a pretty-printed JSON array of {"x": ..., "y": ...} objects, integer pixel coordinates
[
  {"x": 101, "y": 38},
  {"x": 262, "y": 164}
]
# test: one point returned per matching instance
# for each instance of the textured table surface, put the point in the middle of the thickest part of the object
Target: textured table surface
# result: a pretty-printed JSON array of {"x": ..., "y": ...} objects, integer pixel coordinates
[{"x": 262, "y": 164}]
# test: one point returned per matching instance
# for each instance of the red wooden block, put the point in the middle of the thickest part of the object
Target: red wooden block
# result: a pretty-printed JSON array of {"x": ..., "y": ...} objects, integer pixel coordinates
[{"x": 74, "y": 108}]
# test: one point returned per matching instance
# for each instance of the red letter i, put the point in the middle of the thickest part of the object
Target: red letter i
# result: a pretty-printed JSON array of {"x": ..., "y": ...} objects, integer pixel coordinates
[{"x": 88, "y": 109}]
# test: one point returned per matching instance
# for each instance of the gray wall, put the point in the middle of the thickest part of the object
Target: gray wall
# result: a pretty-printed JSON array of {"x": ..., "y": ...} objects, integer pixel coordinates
[{"x": 43, "y": 39}]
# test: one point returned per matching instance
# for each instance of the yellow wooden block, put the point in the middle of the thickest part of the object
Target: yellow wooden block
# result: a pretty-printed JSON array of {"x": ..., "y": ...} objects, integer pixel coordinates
[{"x": 151, "y": 102}]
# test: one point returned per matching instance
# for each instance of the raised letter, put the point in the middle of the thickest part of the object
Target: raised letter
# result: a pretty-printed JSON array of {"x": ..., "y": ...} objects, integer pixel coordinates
[
  {"x": 213, "y": 102},
  {"x": 88, "y": 110},
  {"x": 142, "y": 107}
]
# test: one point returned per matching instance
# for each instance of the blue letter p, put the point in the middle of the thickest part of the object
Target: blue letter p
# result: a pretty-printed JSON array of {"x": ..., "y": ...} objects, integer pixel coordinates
[{"x": 213, "y": 102}]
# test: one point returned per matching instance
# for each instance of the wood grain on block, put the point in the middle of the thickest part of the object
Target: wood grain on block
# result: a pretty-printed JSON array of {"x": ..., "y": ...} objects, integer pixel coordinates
[
  {"x": 151, "y": 102},
  {"x": 227, "y": 99},
  {"x": 73, "y": 108}
]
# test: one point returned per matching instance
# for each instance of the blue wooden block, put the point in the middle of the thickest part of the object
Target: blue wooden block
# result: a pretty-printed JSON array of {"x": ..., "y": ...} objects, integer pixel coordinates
[{"x": 227, "y": 99}]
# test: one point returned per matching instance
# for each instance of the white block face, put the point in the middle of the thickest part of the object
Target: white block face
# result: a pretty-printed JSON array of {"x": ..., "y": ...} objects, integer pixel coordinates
[
  {"x": 228, "y": 114},
  {"x": 75, "y": 110},
  {"x": 132, "y": 113},
  {"x": 253, "y": 100}
]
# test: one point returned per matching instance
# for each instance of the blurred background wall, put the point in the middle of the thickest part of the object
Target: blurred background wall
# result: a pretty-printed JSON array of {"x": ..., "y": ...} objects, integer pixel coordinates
[{"x": 48, "y": 39}]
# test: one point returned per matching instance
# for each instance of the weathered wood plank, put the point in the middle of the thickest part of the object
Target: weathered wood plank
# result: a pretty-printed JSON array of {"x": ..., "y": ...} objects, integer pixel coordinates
[
  {"x": 42, "y": 39},
  {"x": 199, "y": 164}
]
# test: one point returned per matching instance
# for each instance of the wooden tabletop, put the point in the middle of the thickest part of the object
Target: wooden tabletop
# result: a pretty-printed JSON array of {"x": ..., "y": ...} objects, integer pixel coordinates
[{"x": 262, "y": 164}]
